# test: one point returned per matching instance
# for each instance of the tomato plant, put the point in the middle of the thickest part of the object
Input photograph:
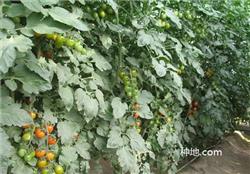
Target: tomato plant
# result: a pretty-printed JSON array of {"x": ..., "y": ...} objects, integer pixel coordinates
[{"x": 129, "y": 82}]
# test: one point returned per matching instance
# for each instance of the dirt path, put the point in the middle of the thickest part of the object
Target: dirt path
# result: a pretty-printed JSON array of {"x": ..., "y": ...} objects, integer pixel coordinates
[{"x": 235, "y": 159}]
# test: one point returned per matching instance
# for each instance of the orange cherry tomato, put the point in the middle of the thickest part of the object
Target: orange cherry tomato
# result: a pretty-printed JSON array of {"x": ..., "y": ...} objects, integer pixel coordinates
[
  {"x": 39, "y": 133},
  {"x": 136, "y": 115},
  {"x": 50, "y": 156},
  {"x": 51, "y": 140},
  {"x": 50, "y": 128},
  {"x": 40, "y": 153}
]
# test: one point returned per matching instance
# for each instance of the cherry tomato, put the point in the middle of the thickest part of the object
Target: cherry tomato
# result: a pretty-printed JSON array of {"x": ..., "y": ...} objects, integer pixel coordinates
[
  {"x": 138, "y": 130},
  {"x": 122, "y": 74},
  {"x": 80, "y": 48},
  {"x": 136, "y": 115},
  {"x": 28, "y": 157},
  {"x": 21, "y": 152},
  {"x": 138, "y": 123},
  {"x": 60, "y": 40},
  {"x": 194, "y": 109},
  {"x": 110, "y": 11},
  {"x": 136, "y": 106},
  {"x": 59, "y": 169},
  {"x": 50, "y": 128},
  {"x": 52, "y": 36},
  {"x": 163, "y": 16},
  {"x": 95, "y": 15},
  {"x": 102, "y": 13},
  {"x": 40, "y": 153},
  {"x": 50, "y": 156},
  {"x": 134, "y": 73},
  {"x": 104, "y": 6},
  {"x": 167, "y": 25},
  {"x": 42, "y": 164},
  {"x": 45, "y": 171},
  {"x": 88, "y": 9},
  {"x": 195, "y": 103},
  {"x": 70, "y": 43},
  {"x": 33, "y": 115},
  {"x": 26, "y": 136},
  {"x": 39, "y": 133},
  {"x": 51, "y": 140}
]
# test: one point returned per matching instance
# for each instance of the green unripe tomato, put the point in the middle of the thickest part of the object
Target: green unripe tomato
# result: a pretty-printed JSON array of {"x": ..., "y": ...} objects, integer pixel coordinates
[
  {"x": 176, "y": 13},
  {"x": 28, "y": 157},
  {"x": 180, "y": 15},
  {"x": 26, "y": 136},
  {"x": 16, "y": 19},
  {"x": 70, "y": 43},
  {"x": 60, "y": 39},
  {"x": 104, "y": 6},
  {"x": 122, "y": 74},
  {"x": 32, "y": 154},
  {"x": 95, "y": 15},
  {"x": 45, "y": 171},
  {"x": 167, "y": 25},
  {"x": 110, "y": 11},
  {"x": 102, "y": 14},
  {"x": 21, "y": 152},
  {"x": 59, "y": 169},
  {"x": 80, "y": 48},
  {"x": 134, "y": 72},
  {"x": 88, "y": 9},
  {"x": 163, "y": 16}
]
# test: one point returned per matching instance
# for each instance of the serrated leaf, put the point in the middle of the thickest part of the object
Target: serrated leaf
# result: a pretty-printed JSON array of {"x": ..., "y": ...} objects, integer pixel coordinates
[
  {"x": 67, "y": 130},
  {"x": 84, "y": 101},
  {"x": 33, "y": 5},
  {"x": 119, "y": 108},
  {"x": 176, "y": 78},
  {"x": 6, "y": 149},
  {"x": 63, "y": 74},
  {"x": 20, "y": 167},
  {"x": 11, "y": 84},
  {"x": 82, "y": 149},
  {"x": 12, "y": 114},
  {"x": 173, "y": 18},
  {"x": 101, "y": 63},
  {"x": 159, "y": 67},
  {"x": 100, "y": 98},
  {"x": 66, "y": 95},
  {"x": 145, "y": 97},
  {"x": 68, "y": 155},
  {"x": 145, "y": 112},
  {"x": 161, "y": 137},
  {"x": 42, "y": 25},
  {"x": 64, "y": 16},
  {"x": 100, "y": 143},
  {"x": 115, "y": 140},
  {"x": 106, "y": 41},
  {"x": 137, "y": 143},
  {"x": 127, "y": 160}
]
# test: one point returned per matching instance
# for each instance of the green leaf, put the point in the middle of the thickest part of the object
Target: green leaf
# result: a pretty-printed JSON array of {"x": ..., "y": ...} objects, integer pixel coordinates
[
  {"x": 8, "y": 52},
  {"x": 67, "y": 130},
  {"x": 176, "y": 78},
  {"x": 42, "y": 25},
  {"x": 106, "y": 41},
  {"x": 113, "y": 4},
  {"x": 161, "y": 136},
  {"x": 173, "y": 17},
  {"x": 20, "y": 167},
  {"x": 67, "y": 97},
  {"x": 82, "y": 149},
  {"x": 100, "y": 143},
  {"x": 34, "y": 65},
  {"x": 17, "y": 10},
  {"x": 7, "y": 24},
  {"x": 159, "y": 67},
  {"x": 68, "y": 155},
  {"x": 32, "y": 83},
  {"x": 119, "y": 108},
  {"x": 6, "y": 149},
  {"x": 12, "y": 114},
  {"x": 145, "y": 97},
  {"x": 127, "y": 160},
  {"x": 11, "y": 84},
  {"x": 101, "y": 63},
  {"x": 115, "y": 140},
  {"x": 137, "y": 143},
  {"x": 84, "y": 101},
  {"x": 100, "y": 98},
  {"x": 33, "y": 5},
  {"x": 64, "y": 16},
  {"x": 145, "y": 112},
  {"x": 63, "y": 74}
]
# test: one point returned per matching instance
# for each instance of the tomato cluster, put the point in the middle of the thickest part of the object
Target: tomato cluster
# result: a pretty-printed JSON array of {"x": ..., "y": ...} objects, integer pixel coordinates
[
  {"x": 135, "y": 108},
  {"x": 37, "y": 148},
  {"x": 193, "y": 108},
  {"x": 130, "y": 82},
  {"x": 99, "y": 11}
]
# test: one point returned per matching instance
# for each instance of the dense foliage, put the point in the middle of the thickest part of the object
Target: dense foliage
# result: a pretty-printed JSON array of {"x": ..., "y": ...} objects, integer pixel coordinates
[{"x": 131, "y": 82}]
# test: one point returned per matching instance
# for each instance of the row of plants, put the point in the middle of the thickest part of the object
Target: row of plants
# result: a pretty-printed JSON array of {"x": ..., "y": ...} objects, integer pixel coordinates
[{"x": 130, "y": 82}]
